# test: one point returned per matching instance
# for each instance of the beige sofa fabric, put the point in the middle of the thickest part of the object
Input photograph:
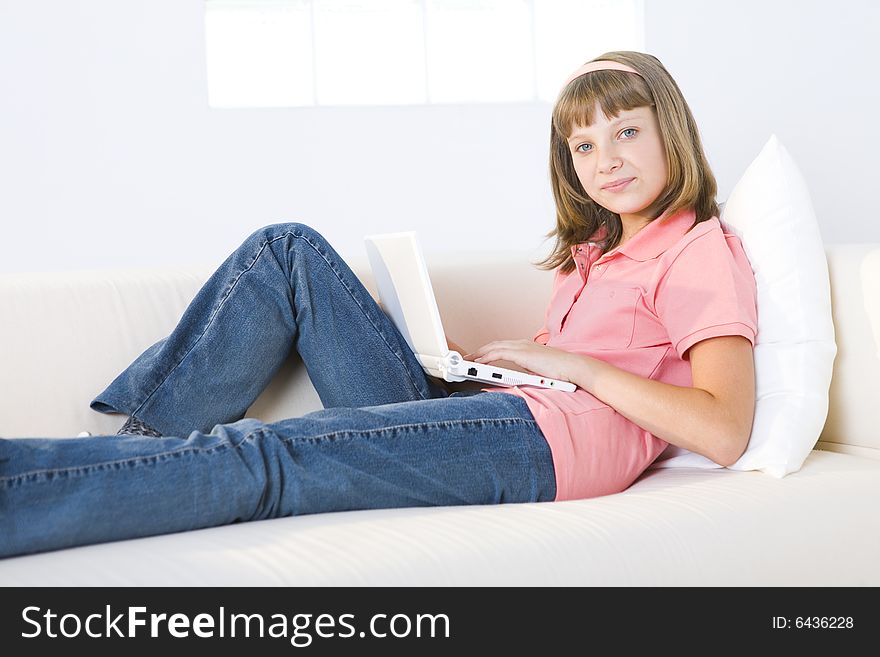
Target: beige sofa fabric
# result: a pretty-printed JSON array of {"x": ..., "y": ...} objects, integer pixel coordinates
[{"x": 854, "y": 397}]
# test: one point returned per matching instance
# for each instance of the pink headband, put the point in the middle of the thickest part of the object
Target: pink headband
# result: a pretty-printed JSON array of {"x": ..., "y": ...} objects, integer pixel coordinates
[{"x": 600, "y": 65}]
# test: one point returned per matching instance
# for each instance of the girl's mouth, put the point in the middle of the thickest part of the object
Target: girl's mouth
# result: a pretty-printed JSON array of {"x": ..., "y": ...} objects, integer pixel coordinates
[{"x": 617, "y": 188}]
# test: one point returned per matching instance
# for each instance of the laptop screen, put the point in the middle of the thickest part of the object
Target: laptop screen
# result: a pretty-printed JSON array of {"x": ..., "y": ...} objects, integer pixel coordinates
[{"x": 401, "y": 276}]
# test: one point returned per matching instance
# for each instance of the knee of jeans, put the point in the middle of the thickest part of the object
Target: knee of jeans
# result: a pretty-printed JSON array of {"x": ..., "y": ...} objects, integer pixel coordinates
[
  {"x": 289, "y": 236},
  {"x": 273, "y": 231}
]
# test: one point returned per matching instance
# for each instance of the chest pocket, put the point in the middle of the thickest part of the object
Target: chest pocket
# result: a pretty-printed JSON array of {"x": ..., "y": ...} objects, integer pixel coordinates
[{"x": 603, "y": 316}]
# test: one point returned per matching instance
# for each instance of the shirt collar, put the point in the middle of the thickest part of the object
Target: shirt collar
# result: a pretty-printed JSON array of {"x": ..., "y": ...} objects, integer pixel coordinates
[{"x": 654, "y": 238}]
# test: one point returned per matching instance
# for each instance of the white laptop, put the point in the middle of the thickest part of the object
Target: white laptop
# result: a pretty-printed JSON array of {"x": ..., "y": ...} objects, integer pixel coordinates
[{"x": 401, "y": 276}]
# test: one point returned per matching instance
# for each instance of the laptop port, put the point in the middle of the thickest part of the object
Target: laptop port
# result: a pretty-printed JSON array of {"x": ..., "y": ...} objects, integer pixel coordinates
[
  {"x": 496, "y": 375},
  {"x": 472, "y": 371}
]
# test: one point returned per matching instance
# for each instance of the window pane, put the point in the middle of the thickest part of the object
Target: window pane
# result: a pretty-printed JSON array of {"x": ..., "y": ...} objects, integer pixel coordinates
[
  {"x": 369, "y": 52},
  {"x": 571, "y": 32},
  {"x": 479, "y": 50},
  {"x": 259, "y": 54}
]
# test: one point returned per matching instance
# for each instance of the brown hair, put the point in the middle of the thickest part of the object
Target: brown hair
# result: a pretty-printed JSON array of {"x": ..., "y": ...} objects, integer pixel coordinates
[{"x": 691, "y": 182}]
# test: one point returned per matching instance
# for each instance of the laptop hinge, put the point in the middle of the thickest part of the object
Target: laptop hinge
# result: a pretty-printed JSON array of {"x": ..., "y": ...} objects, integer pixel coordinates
[{"x": 442, "y": 366}]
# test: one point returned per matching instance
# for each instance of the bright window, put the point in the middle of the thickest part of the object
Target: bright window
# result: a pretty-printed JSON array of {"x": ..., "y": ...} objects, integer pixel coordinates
[{"x": 296, "y": 53}]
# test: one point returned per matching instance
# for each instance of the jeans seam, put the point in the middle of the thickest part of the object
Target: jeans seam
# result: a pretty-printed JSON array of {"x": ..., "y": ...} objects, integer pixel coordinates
[
  {"x": 232, "y": 287},
  {"x": 9, "y": 482},
  {"x": 358, "y": 433}
]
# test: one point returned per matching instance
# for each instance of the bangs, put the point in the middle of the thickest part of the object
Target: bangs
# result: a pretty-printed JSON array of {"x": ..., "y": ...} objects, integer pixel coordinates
[{"x": 615, "y": 91}]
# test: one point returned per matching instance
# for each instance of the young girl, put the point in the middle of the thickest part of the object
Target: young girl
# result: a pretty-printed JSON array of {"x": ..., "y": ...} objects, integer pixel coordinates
[{"x": 652, "y": 316}]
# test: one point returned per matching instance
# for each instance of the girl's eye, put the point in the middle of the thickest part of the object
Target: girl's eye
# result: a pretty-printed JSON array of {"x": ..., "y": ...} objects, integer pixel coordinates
[{"x": 578, "y": 148}]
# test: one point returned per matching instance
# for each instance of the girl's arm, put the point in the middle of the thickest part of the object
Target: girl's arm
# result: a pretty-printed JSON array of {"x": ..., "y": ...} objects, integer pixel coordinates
[{"x": 712, "y": 418}]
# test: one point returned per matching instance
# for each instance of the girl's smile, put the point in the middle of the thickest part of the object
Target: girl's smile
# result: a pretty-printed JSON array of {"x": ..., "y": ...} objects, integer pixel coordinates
[{"x": 618, "y": 186}]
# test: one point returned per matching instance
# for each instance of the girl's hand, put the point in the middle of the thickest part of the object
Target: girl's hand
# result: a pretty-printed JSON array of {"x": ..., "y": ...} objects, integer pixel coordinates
[{"x": 534, "y": 357}]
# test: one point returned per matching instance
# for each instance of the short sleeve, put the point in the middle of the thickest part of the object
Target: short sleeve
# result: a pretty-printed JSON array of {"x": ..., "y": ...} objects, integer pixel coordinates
[
  {"x": 543, "y": 335},
  {"x": 708, "y": 290}
]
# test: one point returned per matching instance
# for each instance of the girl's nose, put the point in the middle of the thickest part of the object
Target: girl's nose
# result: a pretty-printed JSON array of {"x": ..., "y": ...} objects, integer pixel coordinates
[
  {"x": 609, "y": 163},
  {"x": 608, "y": 158}
]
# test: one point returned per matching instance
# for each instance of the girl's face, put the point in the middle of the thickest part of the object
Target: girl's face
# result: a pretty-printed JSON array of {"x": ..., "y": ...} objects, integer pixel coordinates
[{"x": 626, "y": 148}]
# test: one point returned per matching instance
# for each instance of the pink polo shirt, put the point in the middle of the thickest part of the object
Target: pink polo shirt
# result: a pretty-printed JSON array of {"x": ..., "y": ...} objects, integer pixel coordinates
[{"x": 639, "y": 307}]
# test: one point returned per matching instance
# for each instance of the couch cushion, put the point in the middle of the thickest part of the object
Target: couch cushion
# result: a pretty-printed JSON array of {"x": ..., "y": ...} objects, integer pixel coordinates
[
  {"x": 674, "y": 527},
  {"x": 855, "y": 299}
]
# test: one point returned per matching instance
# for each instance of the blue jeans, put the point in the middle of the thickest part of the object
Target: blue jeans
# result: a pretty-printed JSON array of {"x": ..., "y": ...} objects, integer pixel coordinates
[{"x": 389, "y": 435}]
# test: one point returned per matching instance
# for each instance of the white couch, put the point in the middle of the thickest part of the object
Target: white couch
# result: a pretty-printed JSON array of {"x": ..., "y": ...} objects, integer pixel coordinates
[{"x": 65, "y": 336}]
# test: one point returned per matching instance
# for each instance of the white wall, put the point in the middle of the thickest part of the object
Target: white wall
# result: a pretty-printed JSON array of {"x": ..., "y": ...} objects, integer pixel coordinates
[
  {"x": 804, "y": 69},
  {"x": 109, "y": 155}
]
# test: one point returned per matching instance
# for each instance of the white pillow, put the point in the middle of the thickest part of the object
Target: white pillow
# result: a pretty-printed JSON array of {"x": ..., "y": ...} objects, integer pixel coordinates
[{"x": 770, "y": 211}]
